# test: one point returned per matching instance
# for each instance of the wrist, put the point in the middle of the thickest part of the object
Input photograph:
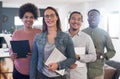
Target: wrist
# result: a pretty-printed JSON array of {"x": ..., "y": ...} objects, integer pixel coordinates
[{"x": 78, "y": 58}]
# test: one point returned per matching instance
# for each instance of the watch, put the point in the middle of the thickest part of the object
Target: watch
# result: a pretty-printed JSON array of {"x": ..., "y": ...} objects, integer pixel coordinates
[
  {"x": 101, "y": 57},
  {"x": 78, "y": 58}
]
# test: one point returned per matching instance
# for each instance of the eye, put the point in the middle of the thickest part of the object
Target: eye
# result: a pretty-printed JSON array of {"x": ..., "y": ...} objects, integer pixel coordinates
[{"x": 50, "y": 16}]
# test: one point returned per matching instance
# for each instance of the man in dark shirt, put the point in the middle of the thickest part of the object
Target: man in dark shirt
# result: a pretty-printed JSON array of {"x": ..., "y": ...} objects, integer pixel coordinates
[{"x": 101, "y": 41}]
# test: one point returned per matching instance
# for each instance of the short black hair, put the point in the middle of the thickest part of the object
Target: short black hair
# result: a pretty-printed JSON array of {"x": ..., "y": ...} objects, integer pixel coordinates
[
  {"x": 94, "y": 10},
  {"x": 76, "y": 13},
  {"x": 28, "y": 7}
]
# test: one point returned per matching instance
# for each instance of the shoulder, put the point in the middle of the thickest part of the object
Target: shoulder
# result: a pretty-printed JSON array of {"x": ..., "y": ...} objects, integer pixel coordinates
[
  {"x": 63, "y": 34},
  {"x": 102, "y": 31},
  {"x": 40, "y": 35},
  {"x": 86, "y": 36},
  {"x": 18, "y": 31},
  {"x": 17, "y": 34},
  {"x": 85, "y": 29},
  {"x": 37, "y": 30}
]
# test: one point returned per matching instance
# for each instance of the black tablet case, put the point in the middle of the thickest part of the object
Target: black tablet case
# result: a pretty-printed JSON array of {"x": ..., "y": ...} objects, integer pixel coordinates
[{"x": 21, "y": 47}]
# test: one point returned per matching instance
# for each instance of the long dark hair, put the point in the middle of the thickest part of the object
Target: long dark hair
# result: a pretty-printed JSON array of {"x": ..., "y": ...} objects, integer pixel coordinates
[{"x": 58, "y": 21}]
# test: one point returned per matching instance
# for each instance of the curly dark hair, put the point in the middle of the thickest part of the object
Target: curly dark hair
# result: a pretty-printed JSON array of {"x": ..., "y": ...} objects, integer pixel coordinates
[{"x": 28, "y": 7}]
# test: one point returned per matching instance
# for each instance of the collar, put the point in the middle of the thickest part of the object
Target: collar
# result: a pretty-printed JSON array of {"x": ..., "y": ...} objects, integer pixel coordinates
[{"x": 78, "y": 34}]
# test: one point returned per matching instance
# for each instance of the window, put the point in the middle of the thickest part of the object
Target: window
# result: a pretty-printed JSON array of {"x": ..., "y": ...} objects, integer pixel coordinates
[
  {"x": 114, "y": 25},
  {"x": 18, "y": 22},
  {"x": 110, "y": 22}
]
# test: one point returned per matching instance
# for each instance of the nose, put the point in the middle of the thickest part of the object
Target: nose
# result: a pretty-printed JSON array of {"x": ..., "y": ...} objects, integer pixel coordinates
[{"x": 76, "y": 21}]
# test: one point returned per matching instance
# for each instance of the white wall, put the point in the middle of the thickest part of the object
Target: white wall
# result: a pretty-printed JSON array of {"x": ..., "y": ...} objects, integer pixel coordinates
[
  {"x": 116, "y": 43},
  {"x": 105, "y": 6}
]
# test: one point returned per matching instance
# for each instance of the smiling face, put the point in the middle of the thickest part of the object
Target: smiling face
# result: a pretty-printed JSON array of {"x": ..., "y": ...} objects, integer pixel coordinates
[
  {"x": 50, "y": 18},
  {"x": 93, "y": 19},
  {"x": 75, "y": 21},
  {"x": 28, "y": 19}
]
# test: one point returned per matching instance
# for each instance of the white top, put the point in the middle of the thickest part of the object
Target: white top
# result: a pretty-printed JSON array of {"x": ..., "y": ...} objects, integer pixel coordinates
[{"x": 83, "y": 40}]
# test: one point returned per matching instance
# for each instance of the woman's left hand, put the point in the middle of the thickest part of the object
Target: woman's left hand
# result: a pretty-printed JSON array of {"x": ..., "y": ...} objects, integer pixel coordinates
[
  {"x": 53, "y": 66},
  {"x": 73, "y": 66}
]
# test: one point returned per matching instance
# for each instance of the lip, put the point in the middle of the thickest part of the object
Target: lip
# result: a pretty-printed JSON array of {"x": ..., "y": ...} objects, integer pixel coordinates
[
  {"x": 75, "y": 24},
  {"x": 49, "y": 22},
  {"x": 29, "y": 23}
]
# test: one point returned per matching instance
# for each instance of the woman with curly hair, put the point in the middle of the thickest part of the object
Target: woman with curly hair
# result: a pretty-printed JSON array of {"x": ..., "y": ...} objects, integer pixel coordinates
[{"x": 28, "y": 13}]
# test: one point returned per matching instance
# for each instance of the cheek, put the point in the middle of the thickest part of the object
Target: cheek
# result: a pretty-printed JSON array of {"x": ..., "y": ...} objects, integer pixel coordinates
[
  {"x": 56, "y": 19},
  {"x": 32, "y": 20},
  {"x": 71, "y": 22},
  {"x": 45, "y": 21},
  {"x": 80, "y": 23}
]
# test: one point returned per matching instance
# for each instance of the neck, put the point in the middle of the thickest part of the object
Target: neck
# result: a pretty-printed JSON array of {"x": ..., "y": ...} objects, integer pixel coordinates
[
  {"x": 93, "y": 27},
  {"x": 27, "y": 28},
  {"x": 52, "y": 30},
  {"x": 73, "y": 31}
]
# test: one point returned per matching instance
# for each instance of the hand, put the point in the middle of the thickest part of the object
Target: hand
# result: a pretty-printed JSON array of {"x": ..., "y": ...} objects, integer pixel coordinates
[
  {"x": 53, "y": 66},
  {"x": 99, "y": 55},
  {"x": 13, "y": 56},
  {"x": 73, "y": 66},
  {"x": 102, "y": 55},
  {"x": 29, "y": 55},
  {"x": 77, "y": 56},
  {"x": 105, "y": 56}
]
